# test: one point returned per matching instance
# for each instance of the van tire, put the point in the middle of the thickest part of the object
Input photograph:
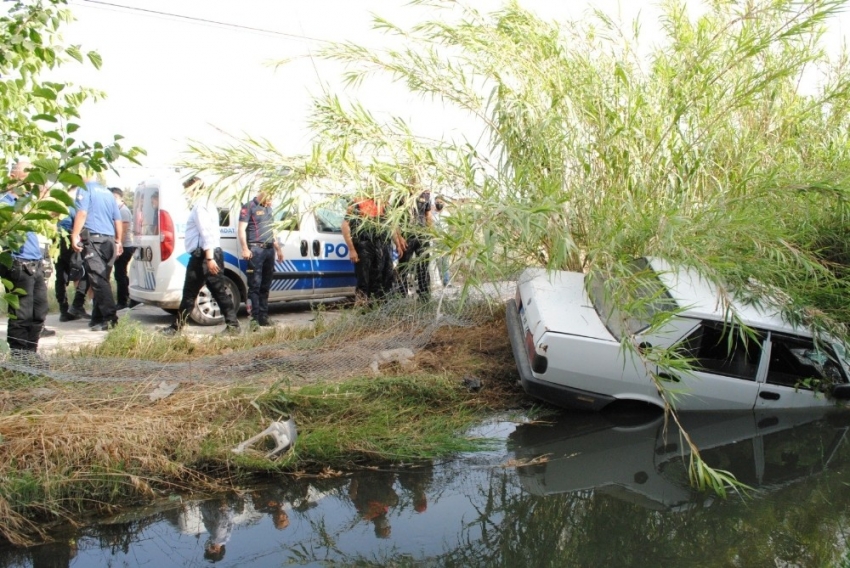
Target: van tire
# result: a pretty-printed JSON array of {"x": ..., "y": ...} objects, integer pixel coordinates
[{"x": 206, "y": 310}]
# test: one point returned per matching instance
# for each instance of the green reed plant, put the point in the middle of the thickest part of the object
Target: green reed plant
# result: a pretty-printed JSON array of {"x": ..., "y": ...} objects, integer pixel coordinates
[{"x": 719, "y": 142}]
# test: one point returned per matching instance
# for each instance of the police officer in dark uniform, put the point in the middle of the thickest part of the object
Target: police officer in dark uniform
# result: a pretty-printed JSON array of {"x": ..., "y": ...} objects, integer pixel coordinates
[
  {"x": 97, "y": 234},
  {"x": 259, "y": 248},
  {"x": 65, "y": 274},
  {"x": 26, "y": 273},
  {"x": 417, "y": 242},
  {"x": 366, "y": 247}
]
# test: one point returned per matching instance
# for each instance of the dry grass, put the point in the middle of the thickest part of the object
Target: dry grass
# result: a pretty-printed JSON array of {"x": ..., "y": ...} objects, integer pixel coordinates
[{"x": 74, "y": 447}]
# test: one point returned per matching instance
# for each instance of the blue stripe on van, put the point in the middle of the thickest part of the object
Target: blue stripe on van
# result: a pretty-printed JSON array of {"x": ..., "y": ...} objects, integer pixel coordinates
[{"x": 339, "y": 274}]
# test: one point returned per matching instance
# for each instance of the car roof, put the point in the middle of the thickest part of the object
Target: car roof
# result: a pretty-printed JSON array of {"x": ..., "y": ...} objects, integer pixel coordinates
[{"x": 699, "y": 298}]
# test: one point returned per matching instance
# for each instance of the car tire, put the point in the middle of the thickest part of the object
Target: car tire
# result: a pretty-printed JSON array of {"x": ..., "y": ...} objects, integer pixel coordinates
[{"x": 206, "y": 310}]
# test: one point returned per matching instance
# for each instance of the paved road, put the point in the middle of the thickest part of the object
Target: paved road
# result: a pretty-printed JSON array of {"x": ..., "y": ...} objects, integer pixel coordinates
[{"x": 73, "y": 333}]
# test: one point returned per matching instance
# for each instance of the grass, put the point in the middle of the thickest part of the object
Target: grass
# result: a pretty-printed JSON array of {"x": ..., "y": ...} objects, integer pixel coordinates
[{"x": 69, "y": 449}]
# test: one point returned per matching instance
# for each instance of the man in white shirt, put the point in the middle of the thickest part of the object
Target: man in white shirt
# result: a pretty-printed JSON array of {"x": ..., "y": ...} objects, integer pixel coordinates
[{"x": 206, "y": 261}]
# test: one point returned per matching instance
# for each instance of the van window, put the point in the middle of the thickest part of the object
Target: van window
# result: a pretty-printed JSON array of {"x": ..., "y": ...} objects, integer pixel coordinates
[
  {"x": 720, "y": 349},
  {"x": 223, "y": 216},
  {"x": 146, "y": 211},
  {"x": 287, "y": 219},
  {"x": 329, "y": 216}
]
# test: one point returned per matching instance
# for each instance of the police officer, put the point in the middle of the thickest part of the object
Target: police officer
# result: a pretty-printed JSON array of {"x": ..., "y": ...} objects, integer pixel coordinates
[
  {"x": 97, "y": 234},
  {"x": 65, "y": 274},
  {"x": 206, "y": 261},
  {"x": 416, "y": 241},
  {"x": 122, "y": 280},
  {"x": 26, "y": 273},
  {"x": 259, "y": 248},
  {"x": 369, "y": 248}
]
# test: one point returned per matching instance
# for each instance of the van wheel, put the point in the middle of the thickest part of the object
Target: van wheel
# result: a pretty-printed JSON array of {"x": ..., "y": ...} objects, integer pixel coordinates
[{"x": 206, "y": 310}]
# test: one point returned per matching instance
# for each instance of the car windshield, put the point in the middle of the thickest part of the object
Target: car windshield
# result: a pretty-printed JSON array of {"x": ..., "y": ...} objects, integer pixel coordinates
[{"x": 645, "y": 294}]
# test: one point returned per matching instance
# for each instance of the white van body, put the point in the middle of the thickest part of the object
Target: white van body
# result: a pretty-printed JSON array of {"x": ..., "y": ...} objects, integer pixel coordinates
[{"x": 316, "y": 264}]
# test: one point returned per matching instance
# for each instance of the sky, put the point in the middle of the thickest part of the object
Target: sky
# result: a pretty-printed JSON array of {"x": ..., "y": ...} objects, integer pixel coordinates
[{"x": 179, "y": 70}]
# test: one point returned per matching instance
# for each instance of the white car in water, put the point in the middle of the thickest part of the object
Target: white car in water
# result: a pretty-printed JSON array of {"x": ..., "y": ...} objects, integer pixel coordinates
[{"x": 566, "y": 341}]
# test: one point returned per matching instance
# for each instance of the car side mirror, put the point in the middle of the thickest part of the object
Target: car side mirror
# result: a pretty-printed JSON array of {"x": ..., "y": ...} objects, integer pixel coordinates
[{"x": 841, "y": 392}]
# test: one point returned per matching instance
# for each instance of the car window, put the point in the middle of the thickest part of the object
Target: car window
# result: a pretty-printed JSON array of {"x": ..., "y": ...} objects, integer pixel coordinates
[
  {"x": 649, "y": 288},
  {"x": 796, "y": 362},
  {"x": 723, "y": 350}
]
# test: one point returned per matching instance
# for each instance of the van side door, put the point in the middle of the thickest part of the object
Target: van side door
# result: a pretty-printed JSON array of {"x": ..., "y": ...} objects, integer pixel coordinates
[
  {"x": 329, "y": 253},
  {"x": 293, "y": 277}
]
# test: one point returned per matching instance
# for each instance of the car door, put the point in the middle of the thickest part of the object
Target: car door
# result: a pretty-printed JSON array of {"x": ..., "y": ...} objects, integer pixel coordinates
[
  {"x": 798, "y": 372},
  {"x": 332, "y": 266},
  {"x": 725, "y": 368}
]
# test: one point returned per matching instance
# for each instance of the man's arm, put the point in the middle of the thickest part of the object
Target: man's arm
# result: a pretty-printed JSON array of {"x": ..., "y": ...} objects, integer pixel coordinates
[
  {"x": 205, "y": 229},
  {"x": 243, "y": 239},
  {"x": 346, "y": 234},
  {"x": 79, "y": 223},
  {"x": 278, "y": 251}
]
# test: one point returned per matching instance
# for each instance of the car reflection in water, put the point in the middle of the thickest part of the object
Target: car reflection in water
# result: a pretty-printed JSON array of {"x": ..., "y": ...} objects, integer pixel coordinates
[{"x": 645, "y": 461}]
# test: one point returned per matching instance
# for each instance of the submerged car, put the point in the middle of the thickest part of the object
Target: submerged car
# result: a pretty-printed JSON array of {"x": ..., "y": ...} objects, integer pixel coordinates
[{"x": 567, "y": 339}]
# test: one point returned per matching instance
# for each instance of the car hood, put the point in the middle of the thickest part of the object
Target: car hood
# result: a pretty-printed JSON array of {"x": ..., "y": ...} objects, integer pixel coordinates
[{"x": 557, "y": 302}]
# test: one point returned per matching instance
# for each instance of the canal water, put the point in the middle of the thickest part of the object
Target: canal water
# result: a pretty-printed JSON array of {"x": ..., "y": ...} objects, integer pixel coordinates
[{"x": 577, "y": 490}]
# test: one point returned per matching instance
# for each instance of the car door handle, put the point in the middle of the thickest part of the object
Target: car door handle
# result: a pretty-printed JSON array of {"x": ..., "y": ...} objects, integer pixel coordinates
[
  {"x": 769, "y": 395},
  {"x": 316, "y": 248},
  {"x": 669, "y": 378},
  {"x": 303, "y": 248}
]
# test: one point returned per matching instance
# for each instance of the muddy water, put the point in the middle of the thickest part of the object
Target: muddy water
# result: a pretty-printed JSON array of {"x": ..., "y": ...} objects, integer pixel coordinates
[{"x": 585, "y": 490}]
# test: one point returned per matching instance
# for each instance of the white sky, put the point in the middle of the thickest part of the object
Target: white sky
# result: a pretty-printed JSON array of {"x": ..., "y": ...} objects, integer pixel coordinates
[{"x": 170, "y": 79}]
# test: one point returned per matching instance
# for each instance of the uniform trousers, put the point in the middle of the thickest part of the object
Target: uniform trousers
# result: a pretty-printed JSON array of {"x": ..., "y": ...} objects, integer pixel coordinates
[
  {"x": 198, "y": 275},
  {"x": 63, "y": 271},
  {"x": 27, "y": 320},
  {"x": 260, "y": 272},
  {"x": 98, "y": 256}
]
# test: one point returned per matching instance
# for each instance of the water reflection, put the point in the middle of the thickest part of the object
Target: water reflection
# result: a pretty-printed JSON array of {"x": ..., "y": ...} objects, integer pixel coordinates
[{"x": 597, "y": 491}]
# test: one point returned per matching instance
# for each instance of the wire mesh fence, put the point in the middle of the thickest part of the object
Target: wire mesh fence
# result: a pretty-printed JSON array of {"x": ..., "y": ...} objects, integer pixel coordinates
[{"x": 352, "y": 343}]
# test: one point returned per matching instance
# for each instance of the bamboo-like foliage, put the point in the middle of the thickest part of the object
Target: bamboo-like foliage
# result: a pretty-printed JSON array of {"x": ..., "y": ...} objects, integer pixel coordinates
[{"x": 720, "y": 143}]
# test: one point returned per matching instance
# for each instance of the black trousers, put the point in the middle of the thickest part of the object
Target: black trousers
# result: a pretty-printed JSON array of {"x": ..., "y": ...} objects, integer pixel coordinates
[
  {"x": 416, "y": 259},
  {"x": 374, "y": 268},
  {"x": 197, "y": 275},
  {"x": 121, "y": 278},
  {"x": 260, "y": 272},
  {"x": 27, "y": 320},
  {"x": 98, "y": 255},
  {"x": 63, "y": 268}
]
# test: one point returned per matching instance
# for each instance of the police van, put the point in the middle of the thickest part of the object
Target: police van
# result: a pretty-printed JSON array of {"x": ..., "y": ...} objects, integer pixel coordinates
[{"x": 316, "y": 264}]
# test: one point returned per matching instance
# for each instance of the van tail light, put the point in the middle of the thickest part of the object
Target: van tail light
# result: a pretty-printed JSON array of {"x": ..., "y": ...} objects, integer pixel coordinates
[
  {"x": 166, "y": 235},
  {"x": 539, "y": 363}
]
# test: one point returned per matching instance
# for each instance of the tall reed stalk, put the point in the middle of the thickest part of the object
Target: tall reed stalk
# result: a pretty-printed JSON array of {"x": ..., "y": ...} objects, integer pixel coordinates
[{"x": 720, "y": 143}]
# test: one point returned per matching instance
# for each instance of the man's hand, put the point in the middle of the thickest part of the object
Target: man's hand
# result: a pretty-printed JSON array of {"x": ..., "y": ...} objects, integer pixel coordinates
[
  {"x": 352, "y": 254},
  {"x": 246, "y": 253},
  {"x": 212, "y": 266},
  {"x": 119, "y": 249},
  {"x": 279, "y": 252},
  {"x": 76, "y": 245}
]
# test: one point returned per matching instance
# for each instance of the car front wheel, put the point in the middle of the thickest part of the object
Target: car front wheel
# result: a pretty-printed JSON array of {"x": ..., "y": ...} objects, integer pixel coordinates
[{"x": 206, "y": 310}]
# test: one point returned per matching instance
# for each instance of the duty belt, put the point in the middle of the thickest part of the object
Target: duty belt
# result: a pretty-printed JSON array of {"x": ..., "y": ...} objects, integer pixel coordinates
[{"x": 262, "y": 245}]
